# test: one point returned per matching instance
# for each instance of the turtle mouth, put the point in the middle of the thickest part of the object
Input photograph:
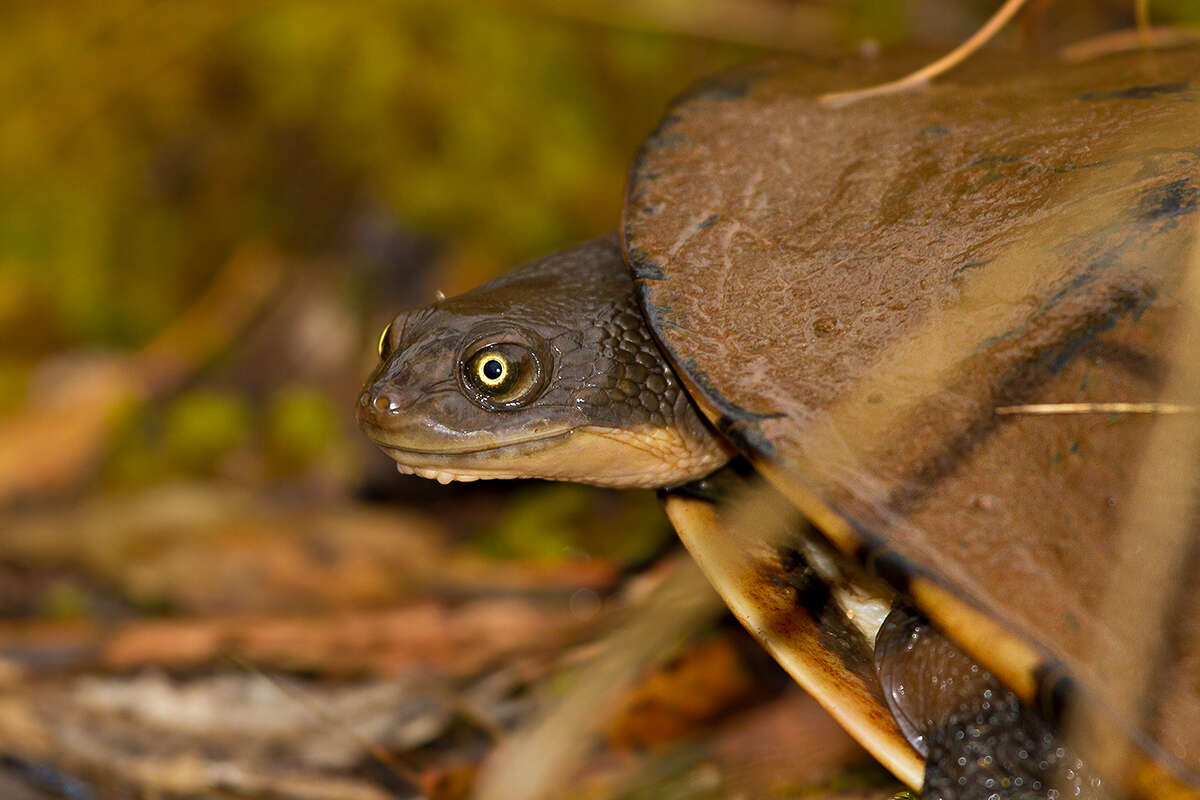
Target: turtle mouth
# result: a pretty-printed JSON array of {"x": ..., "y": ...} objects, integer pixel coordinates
[
  {"x": 459, "y": 474},
  {"x": 490, "y": 459},
  {"x": 396, "y": 447},
  {"x": 615, "y": 457}
]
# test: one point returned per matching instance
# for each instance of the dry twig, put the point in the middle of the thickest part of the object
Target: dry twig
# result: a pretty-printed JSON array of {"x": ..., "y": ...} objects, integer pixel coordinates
[{"x": 927, "y": 73}]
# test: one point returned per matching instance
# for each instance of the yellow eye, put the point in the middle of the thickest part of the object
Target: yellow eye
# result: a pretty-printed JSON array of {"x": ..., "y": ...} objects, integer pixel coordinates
[
  {"x": 383, "y": 340},
  {"x": 493, "y": 370},
  {"x": 502, "y": 375}
]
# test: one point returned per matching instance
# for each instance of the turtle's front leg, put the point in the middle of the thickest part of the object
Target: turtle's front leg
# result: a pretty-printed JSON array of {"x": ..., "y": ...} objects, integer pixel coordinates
[{"x": 979, "y": 741}]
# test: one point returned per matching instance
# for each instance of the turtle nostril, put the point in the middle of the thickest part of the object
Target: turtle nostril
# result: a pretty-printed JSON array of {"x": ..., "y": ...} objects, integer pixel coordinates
[
  {"x": 383, "y": 403},
  {"x": 364, "y": 399}
]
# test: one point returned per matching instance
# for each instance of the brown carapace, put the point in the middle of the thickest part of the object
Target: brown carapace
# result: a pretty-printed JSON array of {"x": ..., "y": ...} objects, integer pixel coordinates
[{"x": 847, "y": 296}]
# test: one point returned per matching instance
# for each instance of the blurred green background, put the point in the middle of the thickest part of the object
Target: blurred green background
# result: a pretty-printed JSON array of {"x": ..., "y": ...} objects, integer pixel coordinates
[{"x": 381, "y": 149}]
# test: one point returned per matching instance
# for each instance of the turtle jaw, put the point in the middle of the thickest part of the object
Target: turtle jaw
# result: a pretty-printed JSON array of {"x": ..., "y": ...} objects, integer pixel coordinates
[
  {"x": 616, "y": 458},
  {"x": 461, "y": 461}
]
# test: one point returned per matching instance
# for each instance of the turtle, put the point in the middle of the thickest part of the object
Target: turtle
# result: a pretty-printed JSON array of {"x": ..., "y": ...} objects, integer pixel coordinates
[{"x": 860, "y": 324}]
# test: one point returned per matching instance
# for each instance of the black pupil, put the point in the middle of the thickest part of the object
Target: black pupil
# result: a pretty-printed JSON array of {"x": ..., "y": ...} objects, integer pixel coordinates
[{"x": 492, "y": 369}]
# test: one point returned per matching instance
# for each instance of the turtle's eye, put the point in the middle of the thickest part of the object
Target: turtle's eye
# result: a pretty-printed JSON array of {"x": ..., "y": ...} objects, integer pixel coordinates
[
  {"x": 384, "y": 349},
  {"x": 503, "y": 375},
  {"x": 492, "y": 372}
]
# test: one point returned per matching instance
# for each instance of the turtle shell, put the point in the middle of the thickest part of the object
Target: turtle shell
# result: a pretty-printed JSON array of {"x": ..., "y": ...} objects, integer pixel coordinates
[{"x": 857, "y": 296}]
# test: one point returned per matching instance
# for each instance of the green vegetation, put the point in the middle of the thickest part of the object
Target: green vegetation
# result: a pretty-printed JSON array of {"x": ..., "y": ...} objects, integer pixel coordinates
[
  {"x": 384, "y": 149},
  {"x": 559, "y": 522}
]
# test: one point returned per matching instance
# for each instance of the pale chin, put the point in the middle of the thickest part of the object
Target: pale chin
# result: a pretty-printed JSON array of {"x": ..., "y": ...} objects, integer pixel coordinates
[
  {"x": 444, "y": 477},
  {"x": 616, "y": 458}
]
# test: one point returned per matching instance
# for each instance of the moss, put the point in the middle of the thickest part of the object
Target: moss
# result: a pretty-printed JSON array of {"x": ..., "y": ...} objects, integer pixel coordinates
[
  {"x": 64, "y": 599},
  {"x": 556, "y": 522},
  {"x": 202, "y": 427},
  {"x": 301, "y": 426}
]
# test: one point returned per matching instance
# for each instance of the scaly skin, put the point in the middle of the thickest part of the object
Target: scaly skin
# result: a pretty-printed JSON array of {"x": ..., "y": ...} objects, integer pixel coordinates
[{"x": 592, "y": 401}]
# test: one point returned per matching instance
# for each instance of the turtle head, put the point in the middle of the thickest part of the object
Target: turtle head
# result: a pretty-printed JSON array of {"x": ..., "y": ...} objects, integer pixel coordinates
[{"x": 546, "y": 372}]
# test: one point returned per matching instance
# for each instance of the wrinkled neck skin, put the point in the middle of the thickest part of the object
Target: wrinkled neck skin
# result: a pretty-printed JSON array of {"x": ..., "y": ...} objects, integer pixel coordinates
[{"x": 546, "y": 372}]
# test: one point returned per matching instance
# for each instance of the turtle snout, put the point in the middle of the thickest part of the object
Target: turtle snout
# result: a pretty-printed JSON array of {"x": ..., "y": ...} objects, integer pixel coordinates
[{"x": 376, "y": 404}]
